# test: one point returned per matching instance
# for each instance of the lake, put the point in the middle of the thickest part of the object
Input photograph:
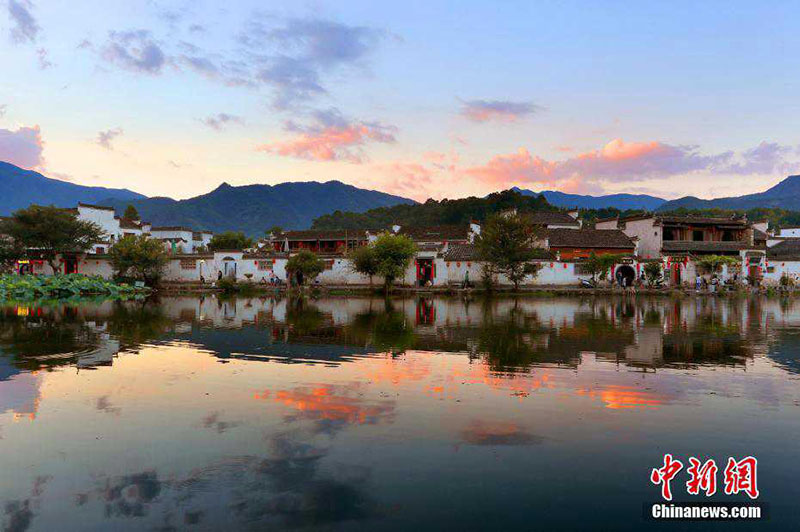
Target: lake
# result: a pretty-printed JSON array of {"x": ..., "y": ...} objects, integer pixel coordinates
[{"x": 357, "y": 413}]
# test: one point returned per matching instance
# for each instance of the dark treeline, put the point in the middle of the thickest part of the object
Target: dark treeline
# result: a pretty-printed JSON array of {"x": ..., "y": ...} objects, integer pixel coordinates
[
  {"x": 459, "y": 211},
  {"x": 432, "y": 212}
]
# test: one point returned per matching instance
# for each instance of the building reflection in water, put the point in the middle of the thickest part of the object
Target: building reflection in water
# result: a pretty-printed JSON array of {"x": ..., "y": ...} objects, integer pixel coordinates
[{"x": 279, "y": 412}]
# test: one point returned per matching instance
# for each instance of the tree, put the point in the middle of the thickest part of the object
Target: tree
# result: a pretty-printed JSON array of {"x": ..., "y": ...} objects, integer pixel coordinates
[
  {"x": 393, "y": 254},
  {"x": 306, "y": 264},
  {"x": 274, "y": 230},
  {"x": 230, "y": 240},
  {"x": 363, "y": 260},
  {"x": 139, "y": 257},
  {"x": 131, "y": 213},
  {"x": 652, "y": 272},
  {"x": 600, "y": 265},
  {"x": 10, "y": 252},
  {"x": 713, "y": 263},
  {"x": 50, "y": 231},
  {"x": 508, "y": 244}
]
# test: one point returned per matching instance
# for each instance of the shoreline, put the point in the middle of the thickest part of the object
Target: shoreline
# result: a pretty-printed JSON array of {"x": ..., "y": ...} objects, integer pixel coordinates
[{"x": 543, "y": 290}]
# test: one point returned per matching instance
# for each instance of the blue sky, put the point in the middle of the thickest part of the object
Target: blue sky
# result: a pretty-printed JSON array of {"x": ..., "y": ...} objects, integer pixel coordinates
[{"x": 421, "y": 99}]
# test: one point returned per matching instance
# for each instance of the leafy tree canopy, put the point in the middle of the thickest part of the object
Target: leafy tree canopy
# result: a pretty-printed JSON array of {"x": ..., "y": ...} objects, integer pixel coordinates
[
  {"x": 508, "y": 244},
  {"x": 306, "y": 263},
  {"x": 364, "y": 260},
  {"x": 51, "y": 230},
  {"x": 139, "y": 257},
  {"x": 131, "y": 213},
  {"x": 714, "y": 263},
  {"x": 432, "y": 212},
  {"x": 230, "y": 240},
  {"x": 393, "y": 254}
]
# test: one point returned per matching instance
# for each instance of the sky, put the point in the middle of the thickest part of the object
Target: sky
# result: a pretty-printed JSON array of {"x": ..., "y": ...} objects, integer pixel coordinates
[{"x": 424, "y": 99}]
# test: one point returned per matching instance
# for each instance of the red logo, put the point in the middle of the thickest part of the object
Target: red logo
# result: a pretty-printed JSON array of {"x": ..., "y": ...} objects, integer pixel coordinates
[
  {"x": 739, "y": 476},
  {"x": 665, "y": 474}
]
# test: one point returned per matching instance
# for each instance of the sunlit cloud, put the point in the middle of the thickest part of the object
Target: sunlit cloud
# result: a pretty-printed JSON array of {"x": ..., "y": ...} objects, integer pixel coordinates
[
  {"x": 331, "y": 137},
  {"x": 497, "y": 110},
  {"x": 22, "y": 147},
  {"x": 332, "y": 403},
  {"x": 620, "y": 161}
]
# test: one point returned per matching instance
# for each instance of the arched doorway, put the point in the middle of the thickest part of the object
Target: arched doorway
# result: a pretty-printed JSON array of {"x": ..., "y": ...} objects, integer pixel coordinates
[{"x": 625, "y": 275}]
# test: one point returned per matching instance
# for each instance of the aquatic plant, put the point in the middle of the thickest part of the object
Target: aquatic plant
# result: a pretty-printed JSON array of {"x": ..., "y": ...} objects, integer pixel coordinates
[{"x": 27, "y": 287}]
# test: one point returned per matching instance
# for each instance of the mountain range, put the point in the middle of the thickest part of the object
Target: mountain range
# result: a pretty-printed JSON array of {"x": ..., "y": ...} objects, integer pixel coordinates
[
  {"x": 620, "y": 201},
  {"x": 255, "y": 208},
  {"x": 19, "y": 188},
  {"x": 784, "y": 195},
  {"x": 294, "y": 205},
  {"x": 250, "y": 208}
]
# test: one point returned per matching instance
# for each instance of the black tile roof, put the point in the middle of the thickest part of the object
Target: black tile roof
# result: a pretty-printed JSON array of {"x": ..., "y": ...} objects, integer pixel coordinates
[
  {"x": 787, "y": 250},
  {"x": 437, "y": 233},
  {"x": 589, "y": 238},
  {"x": 552, "y": 218},
  {"x": 460, "y": 252}
]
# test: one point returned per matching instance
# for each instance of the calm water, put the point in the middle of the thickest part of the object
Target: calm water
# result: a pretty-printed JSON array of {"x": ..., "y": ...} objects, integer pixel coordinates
[{"x": 534, "y": 414}]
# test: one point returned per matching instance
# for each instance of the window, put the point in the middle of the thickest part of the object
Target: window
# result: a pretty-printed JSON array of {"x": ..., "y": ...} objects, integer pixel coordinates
[
  {"x": 669, "y": 234},
  {"x": 697, "y": 235},
  {"x": 727, "y": 236},
  {"x": 100, "y": 250},
  {"x": 188, "y": 264},
  {"x": 265, "y": 265},
  {"x": 581, "y": 268}
]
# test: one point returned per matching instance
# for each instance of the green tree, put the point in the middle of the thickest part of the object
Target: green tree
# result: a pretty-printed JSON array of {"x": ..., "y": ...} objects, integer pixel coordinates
[
  {"x": 139, "y": 257},
  {"x": 51, "y": 230},
  {"x": 363, "y": 260},
  {"x": 131, "y": 213},
  {"x": 230, "y": 240},
  {"x": 10, "y": 251},
  {"x": 307, "y": 264},
  {"x": 393, "y": 254},
  {"x": 714, "y": 263},
  {"x": 274, "y": 230},
  {"x": 652, "y": 272},
  {"x": 599, "y": 265},
  {"x": 508, "y": 244}
]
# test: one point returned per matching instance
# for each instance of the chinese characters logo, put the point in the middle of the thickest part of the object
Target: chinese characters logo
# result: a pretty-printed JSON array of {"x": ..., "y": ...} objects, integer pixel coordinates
[{"x": 740, "y": 476}]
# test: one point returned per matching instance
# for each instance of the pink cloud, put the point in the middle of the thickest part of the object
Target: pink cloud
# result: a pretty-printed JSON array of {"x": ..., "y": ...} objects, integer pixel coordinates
[
  {"x": 616, "y": 161},
  {"x": 331, "y": 138},
  {"x": 407, "y": 179},
  {"x": 22, "y": 147}
]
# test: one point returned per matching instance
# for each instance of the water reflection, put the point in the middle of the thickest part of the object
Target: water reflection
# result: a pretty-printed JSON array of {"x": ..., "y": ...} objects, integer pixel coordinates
[
  {"x": 298, "y": 413},
  {"x": 510, "y": 335}
]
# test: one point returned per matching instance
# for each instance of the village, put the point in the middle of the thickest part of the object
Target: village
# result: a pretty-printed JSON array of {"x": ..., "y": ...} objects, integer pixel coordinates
[{"x": 446, "y": 256}]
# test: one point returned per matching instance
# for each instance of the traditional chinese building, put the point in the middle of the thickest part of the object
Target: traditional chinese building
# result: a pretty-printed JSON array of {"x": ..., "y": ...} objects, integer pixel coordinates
[{"x": 571, "y": 244}]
